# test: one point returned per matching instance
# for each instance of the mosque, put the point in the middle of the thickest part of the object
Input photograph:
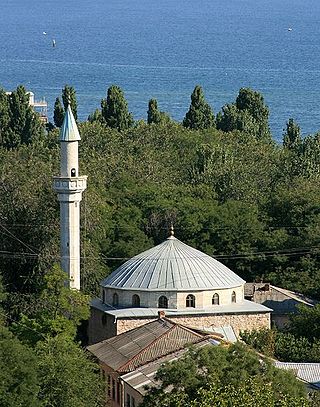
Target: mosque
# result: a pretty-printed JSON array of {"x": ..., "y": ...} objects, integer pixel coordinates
[{"x": 172, "y": 279}]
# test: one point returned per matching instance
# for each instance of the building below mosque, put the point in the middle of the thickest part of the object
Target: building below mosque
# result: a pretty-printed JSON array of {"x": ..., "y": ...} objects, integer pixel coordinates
[{"x": 192, "y": 288}]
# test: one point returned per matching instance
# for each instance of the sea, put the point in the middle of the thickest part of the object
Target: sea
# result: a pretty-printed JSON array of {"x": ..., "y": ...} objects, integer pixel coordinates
[{"x": 163, "y": 48}]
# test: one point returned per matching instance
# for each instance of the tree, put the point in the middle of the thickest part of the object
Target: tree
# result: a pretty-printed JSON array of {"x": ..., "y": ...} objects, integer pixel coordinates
[
  {"x": 154, "y": 115},
  {"x": 96, "y": 116},
  {"x": 200, "y": 115},
  {"x": 58, "y": 114},
  {"x": 59, "y": 311},
  {"x": 219, "y": 376},
  {"x": 306, "y": 322},
  {"x": 19, "y": 124},
  {"x": 67, "y": 376},
  {"x": 69, "y": 98},
  {"x": 115, "y": 109},
  {"x": 248, "y": 114},
  {"x": 18, "y": 373},
  {"x": 4, "y": 118},
  {"x": 292, "y": 136}
]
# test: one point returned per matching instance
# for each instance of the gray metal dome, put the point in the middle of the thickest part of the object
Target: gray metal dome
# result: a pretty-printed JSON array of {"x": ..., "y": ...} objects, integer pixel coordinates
[{"x": 174, "y": 266}]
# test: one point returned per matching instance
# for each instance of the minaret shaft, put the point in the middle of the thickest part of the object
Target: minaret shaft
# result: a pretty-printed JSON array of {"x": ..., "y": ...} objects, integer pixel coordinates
[
  {"x": 70, "y": 241},
  {"x": 69, "y": 186},
  {"x": 69, "y": 159}
]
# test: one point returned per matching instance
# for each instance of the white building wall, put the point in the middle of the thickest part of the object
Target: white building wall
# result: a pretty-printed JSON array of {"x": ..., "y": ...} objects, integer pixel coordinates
[{"x": 176, "y": 300}]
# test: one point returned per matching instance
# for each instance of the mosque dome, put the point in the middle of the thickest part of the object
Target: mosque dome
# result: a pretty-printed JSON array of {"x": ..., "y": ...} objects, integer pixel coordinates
[{"x": 172, "y": 266}]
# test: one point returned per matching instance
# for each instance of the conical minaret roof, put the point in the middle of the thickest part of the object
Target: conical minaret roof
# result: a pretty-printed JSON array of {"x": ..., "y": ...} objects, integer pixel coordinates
[
  {"x": 69, "y": 129},
  {"x": 175, "y": 266}
]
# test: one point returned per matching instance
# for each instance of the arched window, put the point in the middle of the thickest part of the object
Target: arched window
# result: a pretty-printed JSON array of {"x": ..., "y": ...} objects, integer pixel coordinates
[
  {"x": 215, "y": 299},
  {"x": 135, "y": 300},
  {"x": 233, "y": 297},
  {"x": 73, "y": 172},
  {"x": 163, "y": 302},
  {"x": 190, "y": 301},
  {"x": 115, "y": 300},
  {"x": 103, "y": 296}
]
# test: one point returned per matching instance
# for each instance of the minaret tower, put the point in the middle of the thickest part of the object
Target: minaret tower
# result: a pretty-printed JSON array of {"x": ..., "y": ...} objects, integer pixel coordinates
[{"x": 69, "y": 186}]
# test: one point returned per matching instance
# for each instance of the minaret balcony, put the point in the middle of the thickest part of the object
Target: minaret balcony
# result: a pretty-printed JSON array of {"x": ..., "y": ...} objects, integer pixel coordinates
[{"x": 70, "y": 185}]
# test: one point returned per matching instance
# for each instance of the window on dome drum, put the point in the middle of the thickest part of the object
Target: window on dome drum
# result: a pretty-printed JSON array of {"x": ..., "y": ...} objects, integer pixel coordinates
[
  {"x": 233, "y": 297},
  {"x": 115, "y": 300},
  {"x": 190, "y": 301},
  {"x": 163, "y": 302},
  {"x": 215, "y": 299},
  {"x": 103, "y": 296},
  {"x": 135, "y": 300}
]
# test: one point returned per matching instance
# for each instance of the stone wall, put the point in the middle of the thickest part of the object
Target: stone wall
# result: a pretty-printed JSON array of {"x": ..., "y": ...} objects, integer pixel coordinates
[
  {"x": 101, "y": 326},
  {"x": 239, "y": 322}
]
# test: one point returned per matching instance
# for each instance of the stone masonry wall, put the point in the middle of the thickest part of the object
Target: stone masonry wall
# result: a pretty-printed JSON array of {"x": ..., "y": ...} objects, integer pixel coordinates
[{"x": 239, "y": 322}]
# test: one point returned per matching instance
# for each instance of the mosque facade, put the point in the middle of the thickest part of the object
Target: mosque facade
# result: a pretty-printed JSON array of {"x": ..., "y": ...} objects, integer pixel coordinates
[{"x": 173, "y": 279}]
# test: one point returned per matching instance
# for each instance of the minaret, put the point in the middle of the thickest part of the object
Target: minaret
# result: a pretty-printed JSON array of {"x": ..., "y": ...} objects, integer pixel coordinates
[{"x": 69, "y": 186}]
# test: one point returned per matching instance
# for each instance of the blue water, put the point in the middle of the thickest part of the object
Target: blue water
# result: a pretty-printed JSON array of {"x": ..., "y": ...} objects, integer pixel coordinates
[{"x": 163, "y": 48}]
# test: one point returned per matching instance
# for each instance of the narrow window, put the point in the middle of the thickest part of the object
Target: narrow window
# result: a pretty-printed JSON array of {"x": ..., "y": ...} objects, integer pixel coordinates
[
  {"x": 128, "y": 400},
  {"x": 103, "y": 296},
  {"x": 190, "y": 301},
  {"x": 109, "y": 385},
  {"x": 115, "y": 300},
  {"x": 133, "y": 402},
  {"x": 135, "y": 300},
  {"x": 233, "y": 297},
  {"x": 118, "y": 392},
  {"x": 113, "y": 389},
  {"x": 163, "y": 302},
  {"x": 215, "y": 299},
  {"x": 73, "y": 172}
]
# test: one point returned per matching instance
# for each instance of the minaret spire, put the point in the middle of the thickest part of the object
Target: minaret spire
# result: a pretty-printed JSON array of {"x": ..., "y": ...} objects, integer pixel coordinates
[{"x": 69, "y": 186}]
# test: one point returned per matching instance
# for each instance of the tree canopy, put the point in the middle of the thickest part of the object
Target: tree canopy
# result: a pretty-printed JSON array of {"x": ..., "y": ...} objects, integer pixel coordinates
[
  {"x": 222, "y": 376},
  {"x": 200, "y": 115},
  {"x": 115, "y": 109}
]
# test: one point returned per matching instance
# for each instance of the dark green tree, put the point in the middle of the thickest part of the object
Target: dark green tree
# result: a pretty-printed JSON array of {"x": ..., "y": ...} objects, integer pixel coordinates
[
  {"x": 4, "y": 117},
  {"x": 58, "y": 113},
  {"x": 115, "y": 109},
  {"x": 69, "y": 98},
  {"x": 200, "y": 115},
  {"x": 19, "y": 124},
  {"x": 248, "y": 114},
  {"x": 67, "y": 376},
  {"x": 60, "y": 311},
  {"x": 96, "y": 116},
  {"x": 292, "y": 136},
  {"x": 19, "y": 383},
  {"x": 213, "y": 375},
  {"x": 154, "y": 114}
]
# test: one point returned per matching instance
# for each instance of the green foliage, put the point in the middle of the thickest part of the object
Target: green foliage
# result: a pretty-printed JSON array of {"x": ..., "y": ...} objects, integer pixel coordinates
[
  {"x": 19, "y": 124},
  {"x": 69, "y": 98},
  {"x": 306, "y": 322},
  {"x": 292, "y": 136},
  {"x": 115, "y": 109},
  {"x": 67, "y": 377},
  {"x": 58, "y": 113},
  {"x": 200, "y": 115},
  {"x": 59, "y": 311},
  {"x": 263, "y": 340},
  {"x": 295, "y": 346},
  {"x": 215, "y": 375},
  {"x": 19, "y": 384},
  {"x": 248, "y": 114},
  {"x": 96, "y": 116},
  {"x": 154, "y": 115}
]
